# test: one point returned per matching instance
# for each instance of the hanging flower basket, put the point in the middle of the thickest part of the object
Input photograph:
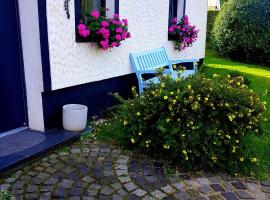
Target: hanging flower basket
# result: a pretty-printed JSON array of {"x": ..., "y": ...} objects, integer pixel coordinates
[
  {"x": 106, "y": 32},
  {"x": 182, "y": 33}
]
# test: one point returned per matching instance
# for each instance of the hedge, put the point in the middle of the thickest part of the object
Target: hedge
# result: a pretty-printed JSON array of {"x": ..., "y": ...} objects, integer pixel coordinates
[{"x": 242, "y": 29}]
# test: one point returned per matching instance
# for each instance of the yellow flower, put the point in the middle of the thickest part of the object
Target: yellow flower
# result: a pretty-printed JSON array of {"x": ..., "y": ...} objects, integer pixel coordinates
[
  {"x": 174, "y": 66},
  {"x": 189, "y": 87},
  {"x": 228, "y": 136},
  {"x": 254, "y": 160},
  {"x": 238, "y": 83},
  {"x": 174, "y": 101},
  {"x": 184, "y": 152},
  {"x": 241, "y": 159},
  {"x": 206, "y": 99},
  {"x": 229, "y": 76},
  {"x": 162, "y": 85},
  {"x": 166, "y": 146},
  {"x": 132, "y": 140},
  {"x": 237, "y": 141},
  {"x": 165, "y": 97},
  {"x": 125, "y": 122},
  {"x": 167, "y": 120},
  {"x": 215, "y": 75},
  {"x": 186, "y": 158},
  {"x": 171, "y": 93},
  {"x": 226, "y": 104},
  {"x": 251, "y": 91},
  {"x": 138, "y": 113},
  {"x": 140, "y": 133}
]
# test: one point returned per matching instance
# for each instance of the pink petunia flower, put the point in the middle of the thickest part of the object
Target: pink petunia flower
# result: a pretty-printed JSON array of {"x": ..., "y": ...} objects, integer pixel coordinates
[
  {"x": 95, "y": 14},
  {"x": 116, "y": 16},
  {"x": 81, "y": 27},
  {"x": 118, "y": 37},
  {"x": 104, "y": 24},
  {"x": 125, "y": 21},
  {"x": 84, "y": 33},
  {"x": 114, "y": 44},
  {"x": 171, "y": 29},
  {"x": 104, "y": 44},
  {"x": 119, "y": 30}
]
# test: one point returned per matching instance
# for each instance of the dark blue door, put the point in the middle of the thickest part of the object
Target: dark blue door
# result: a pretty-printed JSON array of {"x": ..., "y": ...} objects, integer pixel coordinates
[{"x": 12, "y": 99}]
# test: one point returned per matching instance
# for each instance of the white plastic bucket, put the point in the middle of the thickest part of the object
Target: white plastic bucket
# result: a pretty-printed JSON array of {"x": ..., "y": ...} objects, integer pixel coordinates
[{"x": 74, "y": 117}]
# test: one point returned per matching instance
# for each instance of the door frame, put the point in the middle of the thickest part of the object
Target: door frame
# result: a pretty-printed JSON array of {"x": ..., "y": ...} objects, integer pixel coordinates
[{"x": 19, "y": 41}]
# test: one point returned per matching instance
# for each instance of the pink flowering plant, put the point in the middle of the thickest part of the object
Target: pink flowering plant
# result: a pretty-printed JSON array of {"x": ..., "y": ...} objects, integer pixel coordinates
[
  {"x": 106, "y": 32},
  {"x": 183, "y": 33}
]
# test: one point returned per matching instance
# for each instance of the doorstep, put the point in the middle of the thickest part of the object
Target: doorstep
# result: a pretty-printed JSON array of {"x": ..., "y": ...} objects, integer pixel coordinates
[{"x": 17, "y": 148}]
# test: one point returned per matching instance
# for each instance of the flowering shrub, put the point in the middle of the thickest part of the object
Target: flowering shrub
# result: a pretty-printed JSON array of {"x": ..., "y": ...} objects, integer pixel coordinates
[
  {"x": 183, "y": 33},
  {"x": 106, "y": 32},
  {"x": 198, "y": 122}
]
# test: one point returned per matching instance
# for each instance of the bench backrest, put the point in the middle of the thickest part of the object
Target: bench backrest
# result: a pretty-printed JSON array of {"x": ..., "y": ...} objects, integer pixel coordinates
[{"x": 150, "y": 60}]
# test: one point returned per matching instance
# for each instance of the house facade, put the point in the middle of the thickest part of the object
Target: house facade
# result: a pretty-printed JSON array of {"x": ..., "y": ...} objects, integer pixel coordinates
[{"x": 43, "y": 67}]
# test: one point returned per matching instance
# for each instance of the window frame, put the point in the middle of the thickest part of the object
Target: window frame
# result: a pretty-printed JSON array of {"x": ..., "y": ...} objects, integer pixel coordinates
[
  {"x": 78, "y": 15},
  {"x": 175, "y": 12}
]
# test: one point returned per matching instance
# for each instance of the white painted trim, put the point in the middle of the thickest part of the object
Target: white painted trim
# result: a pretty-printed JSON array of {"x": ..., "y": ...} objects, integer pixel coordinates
[{"x": 32, "y": 62}]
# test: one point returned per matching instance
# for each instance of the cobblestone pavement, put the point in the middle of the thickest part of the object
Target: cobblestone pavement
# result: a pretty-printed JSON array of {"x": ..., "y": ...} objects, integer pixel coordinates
[{"x": 94, "y": 170}]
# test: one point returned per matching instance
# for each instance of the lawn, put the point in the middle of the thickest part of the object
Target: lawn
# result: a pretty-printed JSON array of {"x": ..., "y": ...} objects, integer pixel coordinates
[{"x": 259, "y": 78}]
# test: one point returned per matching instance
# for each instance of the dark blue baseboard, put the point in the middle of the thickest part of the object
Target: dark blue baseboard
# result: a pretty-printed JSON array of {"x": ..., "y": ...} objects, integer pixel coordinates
[{"x": 95, "y": 95}]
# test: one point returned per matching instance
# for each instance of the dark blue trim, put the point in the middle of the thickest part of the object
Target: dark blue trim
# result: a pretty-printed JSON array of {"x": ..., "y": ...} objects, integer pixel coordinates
[
  {"x": 185, "y": 4},
  {"x": 22, "y": 63},
  {"x": 44, "y": 45},
  {"x": 116, "y": 6},
  {"x": 95, "y": 95}
]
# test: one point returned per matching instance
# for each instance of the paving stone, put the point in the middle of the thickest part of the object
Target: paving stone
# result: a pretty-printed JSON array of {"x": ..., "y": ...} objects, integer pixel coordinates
[
  {"x": 265, "y": 183},
  {"x": 59, "y": 192},
  {"x": 192, "y": 183},
  {"x": 130, "y": 186},
  {"x": 168, "y": 189},
  {"x": 132, "y": 197},
  {"x": 148, "y": 198},
  {"x": 10, "y": 180},
  {"x": 217, "y": 187},
  {"x": 181, "y": 196},
  {"x": 201, "y": 198},
  {"x": 31, "y": 196},
  {"x": 139, "y": 192},
  {"x": 215, "y": 179},
  {"x": 205, "y": 189},
  {"x": 88, "y": 179},
  {"x": 121, "y": 167},
  {"x": 74, "y": 151},
  {"x": 228, "y": 186},
  {"x": 252, "y": 186},
  {"x": 230, "y": 196},
  {"x": 203, "y": 181},
  {"x": 216, "y": 197},
  {"x": 75, "y": 191},
  {"x": 32, "y": 188},
  {"x": 116, "y": 186},
  {"x": 243, "y": 195},
  {"x": 117, "y": 197},
  {"x": 4, "y": 186},
  {"x": 265, "y": 189},
  {"x": 66, "y": 183},
  {"x": 158, "y": 194},
  {"x": 178, "y": 186},
  {"x": 122, "y": 192},
  {"x": 192, "y": 192},
  {"x": 239, "y": 185},
  {"x": 121, "y": 172},
  {"x": 74, "y": 198},
  {"x": 106, "y": 191}
]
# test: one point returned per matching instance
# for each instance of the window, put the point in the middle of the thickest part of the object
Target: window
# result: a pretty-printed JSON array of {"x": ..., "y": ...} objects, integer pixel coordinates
[
  {"x": 177, "y": 9},
  {"x": 89, "y": 5},
  {"x": 86, "y": 6},
  {"x": 83, "y": 7}
]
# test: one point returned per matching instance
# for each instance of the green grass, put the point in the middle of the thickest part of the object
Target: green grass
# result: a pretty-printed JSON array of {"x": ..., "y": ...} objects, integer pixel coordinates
[{"x": 259, "y": 77}]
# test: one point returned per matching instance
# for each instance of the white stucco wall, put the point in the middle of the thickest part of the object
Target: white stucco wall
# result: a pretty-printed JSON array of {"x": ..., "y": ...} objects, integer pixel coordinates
[
  {"x": 32, "y": 62},
  {"x": 77, "y": 63}
]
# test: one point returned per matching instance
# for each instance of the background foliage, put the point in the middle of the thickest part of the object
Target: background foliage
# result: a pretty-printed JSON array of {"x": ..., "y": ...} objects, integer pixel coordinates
[{"x": 241, "y": 30}]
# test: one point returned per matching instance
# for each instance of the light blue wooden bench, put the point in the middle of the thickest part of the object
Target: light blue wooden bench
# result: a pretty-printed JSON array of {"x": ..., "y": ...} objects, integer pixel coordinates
[{"x": 149, "y": 62}]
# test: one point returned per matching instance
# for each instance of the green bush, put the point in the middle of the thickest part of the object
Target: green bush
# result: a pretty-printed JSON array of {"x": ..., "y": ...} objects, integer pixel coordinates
[
  {"x": 241, "y": 30},
  {"x": 199, "y": 123},
  {"x": 211, "y": 16},
  {"x": 6, "y": 195}
]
